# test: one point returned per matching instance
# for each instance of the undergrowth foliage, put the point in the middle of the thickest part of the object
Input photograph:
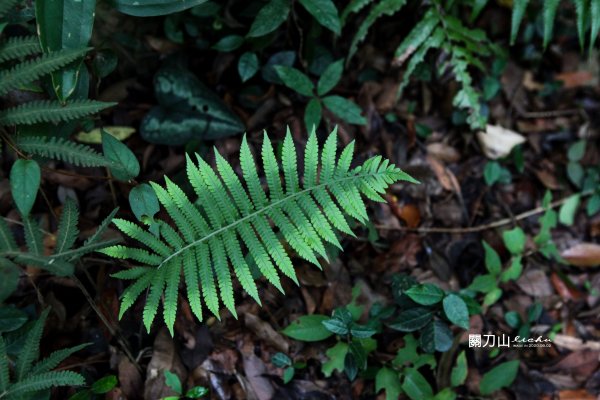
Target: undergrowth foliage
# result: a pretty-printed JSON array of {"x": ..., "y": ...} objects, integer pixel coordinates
[
  {"x": 30, "y": 378},
  {"x": 209, "y": 234}
]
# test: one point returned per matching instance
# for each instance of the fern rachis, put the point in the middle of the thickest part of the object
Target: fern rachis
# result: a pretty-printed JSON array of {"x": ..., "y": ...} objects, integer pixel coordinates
[{"x": 228, "y": 215}]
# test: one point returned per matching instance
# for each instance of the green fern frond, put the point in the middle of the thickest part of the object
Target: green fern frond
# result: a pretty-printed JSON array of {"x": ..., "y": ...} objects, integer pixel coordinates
[
  {"x": 50, "y": 111},
  {"x": 4, "y": 367},
  {"x": 29, "y": 377},
  {"x": 353, "y": 7},
  {"x": 55, "y": 358},
  {"x": 33, "y": 235},
  {"x": 382, "y": 8},
  {"x": 6, "y": 6},
  {"x": 582, "y": 9},
  {"x": 19, "y": 47},
  {"x": 231, "y": 214},
  {"x": 62, "y": 149},
  {"x": 31, "y": 347},
  {"x": 549, "y": 15},
  {"x": 464, "y": 45},
  {"x": 67, "y": 227},
  {"x": 518, "y": 12},
  {"x": 43, "y": 381},
  {"x": 31, "y": 70}
]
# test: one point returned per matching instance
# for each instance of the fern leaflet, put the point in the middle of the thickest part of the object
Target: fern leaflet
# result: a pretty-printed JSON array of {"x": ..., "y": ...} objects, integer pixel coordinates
[
  {"x": 63, "y": 150},
  {"x": 18, "y": 47},
  {"x": 50, "y": 111},
  {"x": 31, "y": 70},
  {"x": 29, "y": 377},
  {"x": 230, "y": 214}
]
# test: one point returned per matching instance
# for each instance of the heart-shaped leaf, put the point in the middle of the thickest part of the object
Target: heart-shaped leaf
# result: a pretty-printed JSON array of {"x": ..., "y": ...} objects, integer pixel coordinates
[{"x": 187, "y": 110}]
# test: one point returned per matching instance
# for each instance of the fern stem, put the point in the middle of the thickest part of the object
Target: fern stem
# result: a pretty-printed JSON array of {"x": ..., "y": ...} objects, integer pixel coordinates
[{"x": 262, "y": 211}]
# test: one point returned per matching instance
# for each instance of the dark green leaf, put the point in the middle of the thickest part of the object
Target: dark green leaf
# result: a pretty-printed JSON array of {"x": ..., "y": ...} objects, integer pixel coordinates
[
  {"x": 499, "y": 377},
  {"x": 361, "y": 331},
  {"x": 412, "y": 319},
  {"x": 330, "y": 78},
  {"x": 187, "y": 110},
  {"x": 125, "y": 166},
  {"x": 350, "y": 367},
  {"x": 426, "y": 294},
  {"x": 25, "y": 178},
  {"x": 9, "y": 278},
  {"x": 436, "y": 336},
  {"x": 229, "y": 43},
  {"x": 325, "y": 13},
  {"x": 65, "y": 24},
  {"x": 345, "y": 109},
  {"x": 576, "y": 151},
  {"x": 152, "y": 8},
  {"x": 416, "y": 386},
  {"x": 144, "y": 205},
  {"x": 295, "y": 80},
  {"x": 11, "y": 318},
  {"x": 104, "y": 385},
  {"x": 308, "y": 328},
  {"x": 336, "y": 326},
  {"x": 312, "y": 114},
  {"x": 286, "y": 58},
  {"x": 247, "y": 66},
  {"x": 513, "y": 319},
  {"x": 273, "y": 14},
  {"x": 281, "y": 360},
  {"x": 456, "y": 310}
]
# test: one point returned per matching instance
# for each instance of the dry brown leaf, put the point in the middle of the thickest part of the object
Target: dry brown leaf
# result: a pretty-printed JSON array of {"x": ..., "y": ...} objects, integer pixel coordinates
[
  {"x": 265, "y": 332},
  {"x": 164, "y": 358},
  {"x": 446, "y": 178},
  {"x": 583, "y": 255},
  {"x": 575, "y": 79},
  {"x": 443, "y": 152},
  {"x": 578, "y": 394}
]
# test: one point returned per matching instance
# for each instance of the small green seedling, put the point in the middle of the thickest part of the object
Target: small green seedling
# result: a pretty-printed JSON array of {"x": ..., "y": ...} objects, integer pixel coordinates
[{"x": 173, "y": 381}]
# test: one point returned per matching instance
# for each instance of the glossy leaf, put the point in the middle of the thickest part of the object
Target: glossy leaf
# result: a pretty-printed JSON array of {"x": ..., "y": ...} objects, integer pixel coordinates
[
  {"x": 153, "y": 8},
  {"x": 124, "y": 164},
  {"x": 325, "y": 13},
  {"x": 270, "y": 17},
  {"x": 65, "y": 24},
  {"x": 308, "y": 328},
  {"x": 499, "y": 377},
  {"x": 187, "y": 110},
  {"x": 25, "y": 178}
]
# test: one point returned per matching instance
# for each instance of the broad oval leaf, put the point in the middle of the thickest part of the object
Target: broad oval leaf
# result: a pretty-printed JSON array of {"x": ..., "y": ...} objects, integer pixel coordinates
[
  {"x": 152, "y": 8},
  {"x": 412, "y": 319},
  {"x": 65, "y": 24},
  {"x": 25, "y": 178},
  {"x": 345, "y": 109},
  {"x": 124, "y": 164},
  {"x": 456, "y": 310},
  {"x": 499, "y": 377},
  {"x": 308, "y": 328},
  {"x": 273, "y": 14},
  {"x": 426, "y": 294},
  {"x": 325, "y": 13},
  {"x": 247, "y": 65}
]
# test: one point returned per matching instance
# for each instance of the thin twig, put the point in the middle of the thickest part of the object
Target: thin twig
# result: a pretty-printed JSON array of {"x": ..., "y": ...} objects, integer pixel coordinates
[{"x": 484, "y": 227}]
